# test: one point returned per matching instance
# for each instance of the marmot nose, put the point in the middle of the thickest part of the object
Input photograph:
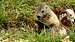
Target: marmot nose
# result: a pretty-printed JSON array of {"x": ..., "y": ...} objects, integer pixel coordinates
[{"x": 38, "y": 16}]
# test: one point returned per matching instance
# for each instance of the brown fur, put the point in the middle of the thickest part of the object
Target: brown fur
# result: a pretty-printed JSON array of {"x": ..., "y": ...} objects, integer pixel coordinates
[
  {"x": 65, "y": 21},
  {"x": 58, "y": 10}
]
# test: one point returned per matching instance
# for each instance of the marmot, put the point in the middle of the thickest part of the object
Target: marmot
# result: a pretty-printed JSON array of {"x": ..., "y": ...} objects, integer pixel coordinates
[{"x": 47, "y": 16}]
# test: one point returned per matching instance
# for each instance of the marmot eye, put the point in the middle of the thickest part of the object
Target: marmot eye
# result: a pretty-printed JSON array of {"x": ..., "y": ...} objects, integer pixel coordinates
[{"x": 42, "y": 11}]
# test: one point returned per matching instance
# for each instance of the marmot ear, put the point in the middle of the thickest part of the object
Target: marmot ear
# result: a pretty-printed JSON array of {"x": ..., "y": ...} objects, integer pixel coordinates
[{"x": 72, "y": 9}]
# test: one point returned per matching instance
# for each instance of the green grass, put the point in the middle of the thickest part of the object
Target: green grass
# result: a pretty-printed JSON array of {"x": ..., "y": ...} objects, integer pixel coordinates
[
  {"x": 72, "y": 37},
  {"x": 23, "y": 36}
]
